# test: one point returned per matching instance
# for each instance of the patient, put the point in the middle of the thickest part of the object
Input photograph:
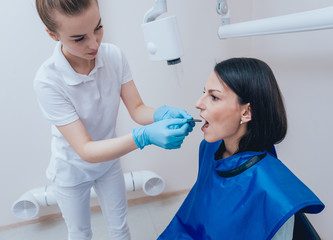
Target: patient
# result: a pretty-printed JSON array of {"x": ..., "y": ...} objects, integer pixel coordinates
[{"x": 242, "y": 191}]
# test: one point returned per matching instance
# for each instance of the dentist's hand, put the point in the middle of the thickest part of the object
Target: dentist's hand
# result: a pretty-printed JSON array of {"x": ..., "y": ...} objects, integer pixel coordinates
[
  {"x": 162, "y": 133},
  {"x": 165, "y": 112}
]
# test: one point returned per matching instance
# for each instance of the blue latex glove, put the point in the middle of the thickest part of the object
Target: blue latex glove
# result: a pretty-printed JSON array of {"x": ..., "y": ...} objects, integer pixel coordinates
[
  {"x": 162, "y": 133},
  {"x": 165, "y": 112}
]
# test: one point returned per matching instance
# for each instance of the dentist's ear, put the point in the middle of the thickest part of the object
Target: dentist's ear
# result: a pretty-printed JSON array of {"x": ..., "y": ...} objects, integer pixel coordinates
[
  {"x": 52, "y": 34},
  {"x": 246, "y": 114}
]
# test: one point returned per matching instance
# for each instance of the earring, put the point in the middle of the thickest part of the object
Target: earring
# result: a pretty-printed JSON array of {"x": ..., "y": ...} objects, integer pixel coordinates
[{"x": 241, "y": 122}]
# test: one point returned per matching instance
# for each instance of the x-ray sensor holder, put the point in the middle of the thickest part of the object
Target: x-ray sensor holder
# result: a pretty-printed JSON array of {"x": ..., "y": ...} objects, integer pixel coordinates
[
  {"x": 163, "y": 40},
  {"x": 162, "y": 36}
]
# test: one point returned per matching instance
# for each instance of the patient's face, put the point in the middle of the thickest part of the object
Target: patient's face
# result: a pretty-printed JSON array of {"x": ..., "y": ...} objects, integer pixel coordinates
[{"x": 220, "y": 109}]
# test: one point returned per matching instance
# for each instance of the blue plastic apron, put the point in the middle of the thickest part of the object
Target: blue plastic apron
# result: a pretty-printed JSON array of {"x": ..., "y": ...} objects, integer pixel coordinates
[{"x": 237, "y": 198}]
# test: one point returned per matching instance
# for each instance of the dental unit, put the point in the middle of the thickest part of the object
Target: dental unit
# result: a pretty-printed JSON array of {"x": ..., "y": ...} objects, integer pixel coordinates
[{"x": 162, "y": 36}]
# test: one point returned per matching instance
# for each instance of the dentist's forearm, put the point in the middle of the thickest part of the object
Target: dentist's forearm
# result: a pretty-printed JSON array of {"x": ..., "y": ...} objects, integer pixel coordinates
[{"x": 106, "y": 150}]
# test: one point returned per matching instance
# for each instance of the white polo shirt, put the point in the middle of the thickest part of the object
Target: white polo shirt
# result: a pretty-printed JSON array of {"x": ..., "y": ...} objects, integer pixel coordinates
[{"x": 65, "y": 96}]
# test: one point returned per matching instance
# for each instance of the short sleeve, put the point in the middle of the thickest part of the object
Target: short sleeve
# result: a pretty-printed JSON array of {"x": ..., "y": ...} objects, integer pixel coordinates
[
  {"x": 126, "y": 72},
  {"x": 54, "y": 104}
]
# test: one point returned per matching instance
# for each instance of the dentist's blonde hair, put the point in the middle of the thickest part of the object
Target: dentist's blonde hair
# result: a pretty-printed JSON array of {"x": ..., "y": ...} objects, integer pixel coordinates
[{"x": 46, "y": 8}]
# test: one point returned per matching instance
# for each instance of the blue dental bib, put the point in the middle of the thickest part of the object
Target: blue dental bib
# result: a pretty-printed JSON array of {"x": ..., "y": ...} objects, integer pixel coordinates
[{"x": 252, "y": 201}]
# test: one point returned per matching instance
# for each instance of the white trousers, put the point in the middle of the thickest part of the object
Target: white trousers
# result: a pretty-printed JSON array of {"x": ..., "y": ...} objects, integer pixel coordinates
[{"x": 74, "y": 203}]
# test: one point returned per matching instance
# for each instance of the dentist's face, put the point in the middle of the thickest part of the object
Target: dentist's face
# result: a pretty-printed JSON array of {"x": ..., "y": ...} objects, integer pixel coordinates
[
  {"x": 220, "y": 108},
  {"x": 80, "y": 35}
]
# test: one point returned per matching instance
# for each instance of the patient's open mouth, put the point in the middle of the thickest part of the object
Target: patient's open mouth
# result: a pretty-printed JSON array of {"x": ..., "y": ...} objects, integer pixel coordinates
[{"x": 205, "y": 126}]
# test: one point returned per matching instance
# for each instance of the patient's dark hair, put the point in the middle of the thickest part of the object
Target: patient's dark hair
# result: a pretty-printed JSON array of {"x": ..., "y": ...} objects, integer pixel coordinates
[
  {"x": 254, "y": 82},
  {"x": 46, "y": 9}
]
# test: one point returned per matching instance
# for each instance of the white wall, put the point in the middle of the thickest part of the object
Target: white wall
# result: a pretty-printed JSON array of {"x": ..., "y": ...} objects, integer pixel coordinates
[
  {"x": 25, "y": 135},
  {"x": 302, "y": 63}
]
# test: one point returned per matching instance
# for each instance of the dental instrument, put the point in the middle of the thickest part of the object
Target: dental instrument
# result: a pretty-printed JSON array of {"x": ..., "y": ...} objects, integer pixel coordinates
[{"x": 194, "y": 120}]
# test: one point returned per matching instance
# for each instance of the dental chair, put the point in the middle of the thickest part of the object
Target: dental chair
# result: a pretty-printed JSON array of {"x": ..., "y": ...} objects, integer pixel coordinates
[{"x": 303, "y": 229}]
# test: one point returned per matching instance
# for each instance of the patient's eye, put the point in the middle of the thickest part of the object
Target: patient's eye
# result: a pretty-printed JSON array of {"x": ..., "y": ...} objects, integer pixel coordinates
[{"x": 214, "y": 97}]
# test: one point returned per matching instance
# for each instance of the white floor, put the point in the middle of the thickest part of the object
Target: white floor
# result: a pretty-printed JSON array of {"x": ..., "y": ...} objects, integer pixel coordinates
[{"x": 146, "y": 222}]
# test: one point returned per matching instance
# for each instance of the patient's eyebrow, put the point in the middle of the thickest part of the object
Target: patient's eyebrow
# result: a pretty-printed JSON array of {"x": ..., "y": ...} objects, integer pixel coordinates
[{"x": 213, "y": 90}]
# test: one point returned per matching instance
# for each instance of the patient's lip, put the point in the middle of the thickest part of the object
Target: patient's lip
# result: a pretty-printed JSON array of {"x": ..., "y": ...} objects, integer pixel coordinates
[{"x": 93, "y": 53}]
